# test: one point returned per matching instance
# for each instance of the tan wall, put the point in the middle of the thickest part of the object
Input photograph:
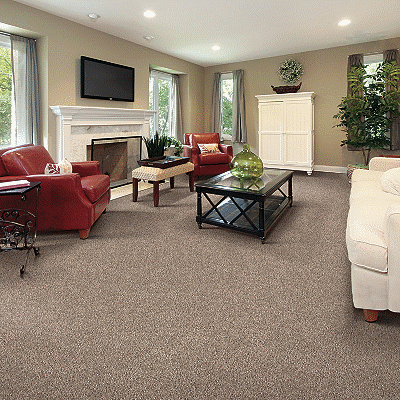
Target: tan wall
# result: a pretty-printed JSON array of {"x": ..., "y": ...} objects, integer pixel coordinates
[
  {"x": 61, "y": 43},
  {"x": 324, "y": 74}
]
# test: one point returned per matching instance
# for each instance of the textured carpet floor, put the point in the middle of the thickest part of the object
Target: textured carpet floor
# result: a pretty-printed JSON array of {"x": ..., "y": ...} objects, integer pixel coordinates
[{"x": 151, "y": 307}]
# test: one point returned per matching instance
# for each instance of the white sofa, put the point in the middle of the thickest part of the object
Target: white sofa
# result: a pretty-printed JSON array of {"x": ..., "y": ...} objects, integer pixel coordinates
[{"x": 373, "y": 237}]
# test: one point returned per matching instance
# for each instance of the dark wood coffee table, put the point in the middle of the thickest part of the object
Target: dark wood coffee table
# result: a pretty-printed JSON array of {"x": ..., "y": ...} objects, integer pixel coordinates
[{"x": 251, "y": 206}]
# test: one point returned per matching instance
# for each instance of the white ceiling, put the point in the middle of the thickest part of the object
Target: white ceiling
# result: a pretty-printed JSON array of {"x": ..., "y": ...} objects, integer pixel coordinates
[{"x": 244, "y": 30}]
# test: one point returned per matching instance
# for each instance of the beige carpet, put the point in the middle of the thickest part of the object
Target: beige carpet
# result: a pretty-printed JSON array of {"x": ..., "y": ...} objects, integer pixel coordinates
[{"x": 151, "y": 307}]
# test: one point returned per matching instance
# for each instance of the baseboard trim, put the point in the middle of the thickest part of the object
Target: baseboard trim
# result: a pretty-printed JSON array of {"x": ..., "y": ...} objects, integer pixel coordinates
[{"x": 330, "y": 168}]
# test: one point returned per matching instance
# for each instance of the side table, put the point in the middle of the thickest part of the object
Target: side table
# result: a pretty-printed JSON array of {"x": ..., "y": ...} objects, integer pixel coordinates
[
  {"x": 18, "y": 225},
  {"x": 155, "y": 175}
]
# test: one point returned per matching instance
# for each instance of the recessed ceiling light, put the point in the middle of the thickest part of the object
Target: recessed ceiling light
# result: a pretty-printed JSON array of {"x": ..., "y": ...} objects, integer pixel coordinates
[
  {"x": 93, "y": 16},
  {"x": 344, "y": 22},
  {"x": 149, "y": 14},
  {"x": 216, "y": 48},
  {"x": 148, "y": 38}
]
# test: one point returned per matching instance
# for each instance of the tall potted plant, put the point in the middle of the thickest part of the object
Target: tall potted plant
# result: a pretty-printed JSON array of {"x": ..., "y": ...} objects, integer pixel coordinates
[
  {"x": 367, "y": 113},
  {"x": 157, "y": 144}
]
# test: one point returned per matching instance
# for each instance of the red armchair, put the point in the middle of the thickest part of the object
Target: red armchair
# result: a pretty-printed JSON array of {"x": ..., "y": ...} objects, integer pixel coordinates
[
  {"x": 207, "y": 164},
  {"x": 66, "y": 201}
]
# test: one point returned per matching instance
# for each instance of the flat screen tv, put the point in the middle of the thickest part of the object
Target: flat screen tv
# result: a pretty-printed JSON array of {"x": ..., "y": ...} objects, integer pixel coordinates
[{"x": 105, "y": 80}]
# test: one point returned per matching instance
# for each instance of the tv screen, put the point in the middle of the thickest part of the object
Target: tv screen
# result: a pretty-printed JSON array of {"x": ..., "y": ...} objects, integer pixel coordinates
[{"x": 105, "y": 80}]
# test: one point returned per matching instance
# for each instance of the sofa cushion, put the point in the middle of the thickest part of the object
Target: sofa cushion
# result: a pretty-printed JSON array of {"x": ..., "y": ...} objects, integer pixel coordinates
[
  {"x": 214, "y": 158},
  {"x": 63, "y": 167},
  {"x": 209, "y": 148},
  {"x": 390, "y": 181},
  {"x": 94, "y": 186},
  {"x": 365, "y": 236},
  {"x": 30, "y": 160}
]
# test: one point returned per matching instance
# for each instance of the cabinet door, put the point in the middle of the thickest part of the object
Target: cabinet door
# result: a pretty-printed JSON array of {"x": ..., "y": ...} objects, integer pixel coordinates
[
  {"x": 270, "y": 132},
  {"x": 298, "y": 132}
]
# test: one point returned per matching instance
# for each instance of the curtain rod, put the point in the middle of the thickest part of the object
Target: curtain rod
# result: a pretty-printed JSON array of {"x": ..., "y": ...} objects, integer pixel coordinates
[{"x": 14, "y": 34}]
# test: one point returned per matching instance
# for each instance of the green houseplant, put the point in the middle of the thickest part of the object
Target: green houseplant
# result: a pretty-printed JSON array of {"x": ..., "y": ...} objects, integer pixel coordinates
[
  {"x": 157, "y": 144},
  {"x": 367, "y": 113}
]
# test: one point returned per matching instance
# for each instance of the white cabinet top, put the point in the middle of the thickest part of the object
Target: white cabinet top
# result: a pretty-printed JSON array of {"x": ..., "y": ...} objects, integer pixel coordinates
[{"x": 286, "y": 96}]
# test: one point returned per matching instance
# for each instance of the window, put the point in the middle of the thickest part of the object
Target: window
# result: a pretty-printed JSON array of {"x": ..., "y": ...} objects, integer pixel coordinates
[
  {"x": 226, "y": 105},
  {"x": 5, "y": 91},
  {"x": 371, "y": 62},
  {"x": 19, "y": 91},
  {"x": 162, "y": 98}
]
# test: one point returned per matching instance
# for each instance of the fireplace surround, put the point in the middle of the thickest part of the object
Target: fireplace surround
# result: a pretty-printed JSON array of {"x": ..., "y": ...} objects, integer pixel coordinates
[{"x": 77, "y": 126}]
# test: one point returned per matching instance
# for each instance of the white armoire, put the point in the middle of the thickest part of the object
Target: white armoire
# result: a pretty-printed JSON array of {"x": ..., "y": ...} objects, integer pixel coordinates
[{"x": 286, "y": 131}]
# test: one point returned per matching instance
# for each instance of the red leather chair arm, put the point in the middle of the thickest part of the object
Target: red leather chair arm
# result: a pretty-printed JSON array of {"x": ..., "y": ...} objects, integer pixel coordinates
[
  {"x": 65, "y": 187},
  {"x": 192, "y": 152},
  {"x": 187, "y": 151},
  {"x": 86, "y": 168},
  {"x": 8, "y": 178},
  {"x": 195, "y": 155},
  {"x": 226, "y": 148}
]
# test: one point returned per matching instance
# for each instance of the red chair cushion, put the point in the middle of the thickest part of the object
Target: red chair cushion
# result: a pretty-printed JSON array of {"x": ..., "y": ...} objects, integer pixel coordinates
[
  {"x": 214, "y": 158},
  {"x": 30, "y": 160},
  {"x": 94, "y": 186}
]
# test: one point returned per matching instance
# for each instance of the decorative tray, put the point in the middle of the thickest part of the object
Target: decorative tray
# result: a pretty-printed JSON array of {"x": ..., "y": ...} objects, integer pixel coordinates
[{"x": 163, "y": 161}]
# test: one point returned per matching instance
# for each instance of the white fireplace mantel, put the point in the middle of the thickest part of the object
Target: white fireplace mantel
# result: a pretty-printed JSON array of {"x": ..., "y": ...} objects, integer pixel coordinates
[{"x": 72, "y": 141}]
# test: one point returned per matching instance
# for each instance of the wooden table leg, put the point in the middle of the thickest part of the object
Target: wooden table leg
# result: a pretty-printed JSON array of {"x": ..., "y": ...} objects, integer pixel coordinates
[
  {"x": 191, "y": 181},
  {"x": 134, "y": 189},
  {"x": 172, "y": 182},
  {"x": 156, "y": 192}
]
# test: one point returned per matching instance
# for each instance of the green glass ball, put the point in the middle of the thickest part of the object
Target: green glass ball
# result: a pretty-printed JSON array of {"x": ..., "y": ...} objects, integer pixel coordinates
[{"x": 246, "y": 165}]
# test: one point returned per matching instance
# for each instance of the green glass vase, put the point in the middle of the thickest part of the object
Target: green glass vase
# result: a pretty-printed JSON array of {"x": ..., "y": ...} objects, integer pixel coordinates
[{"x": 246, "y": 165}]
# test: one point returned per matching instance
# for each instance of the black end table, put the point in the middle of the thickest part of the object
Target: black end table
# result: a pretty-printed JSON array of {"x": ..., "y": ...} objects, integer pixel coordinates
[{"x": 18, "y": 225}]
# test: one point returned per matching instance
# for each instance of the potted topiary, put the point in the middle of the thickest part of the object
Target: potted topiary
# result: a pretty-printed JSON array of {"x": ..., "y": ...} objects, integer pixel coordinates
[
  {"x": 157, "y": 144},
  {"x": 367, "y": 113}
]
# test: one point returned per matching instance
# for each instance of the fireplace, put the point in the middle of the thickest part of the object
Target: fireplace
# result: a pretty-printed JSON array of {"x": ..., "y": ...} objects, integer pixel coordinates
[
  {"x": 117, "y": 157},
  {"x": 77, "y": 126}
]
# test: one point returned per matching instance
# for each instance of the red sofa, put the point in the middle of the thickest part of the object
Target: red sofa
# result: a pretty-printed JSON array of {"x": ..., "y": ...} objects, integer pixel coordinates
[
  {"x": 66, "y": 201},
  {"x": 207, "y": 164}
]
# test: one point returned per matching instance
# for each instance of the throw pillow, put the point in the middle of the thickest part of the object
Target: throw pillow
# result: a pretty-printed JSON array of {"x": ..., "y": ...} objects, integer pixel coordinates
[
  {"x": 390, "y": 181},
  {"x": 52, "y": 169},
  {"x": 209, "y": 148},
  {"x": 63, "y": 167}
]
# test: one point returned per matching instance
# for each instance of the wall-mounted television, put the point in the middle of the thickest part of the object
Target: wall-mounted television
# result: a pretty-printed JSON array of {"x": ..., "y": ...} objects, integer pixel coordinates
[{"x": 105, "y": 80}]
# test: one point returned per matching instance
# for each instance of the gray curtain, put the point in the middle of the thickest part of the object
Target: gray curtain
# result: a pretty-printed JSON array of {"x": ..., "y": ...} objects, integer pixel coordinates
[
  {"x": 177, "y": 111},
  {"x": 353, "y": 60},
  {"x": 216, "y": 114},
  {"x": 239, "y": 130},
  {"x": 26, "y": 89},
  {"x": 393, "y": 55}
]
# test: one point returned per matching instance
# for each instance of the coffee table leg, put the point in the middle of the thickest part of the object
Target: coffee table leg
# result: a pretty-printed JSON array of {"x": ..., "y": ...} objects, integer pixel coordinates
[
  {"x": 172, "y": 182},
  {"x": 134, "y": 189},
  {"x": 156, "y": 192},
  {"x": 191, "y": 181}
]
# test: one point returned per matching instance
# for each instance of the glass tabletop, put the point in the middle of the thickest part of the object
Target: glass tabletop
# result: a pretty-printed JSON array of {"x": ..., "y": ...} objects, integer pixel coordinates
[{"x": 260, "y": 185}]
